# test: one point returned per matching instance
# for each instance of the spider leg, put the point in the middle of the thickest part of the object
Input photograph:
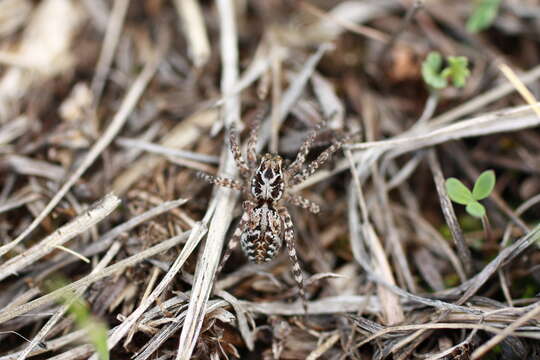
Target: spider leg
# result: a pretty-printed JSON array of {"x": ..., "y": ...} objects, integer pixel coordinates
[
  {"x": 315, "y": 164},
  {"x": 289, "y": 240},
  {"x": 254, "y": 136},
  {"x": 304, "y": 150},
  {"x": 235, "y": 239},
  {"x": 221, "y": 181},
  {"x": 233, "y": 243},
  {"x": 302, "y": 202},
  {"x": 237, "y": 154}
]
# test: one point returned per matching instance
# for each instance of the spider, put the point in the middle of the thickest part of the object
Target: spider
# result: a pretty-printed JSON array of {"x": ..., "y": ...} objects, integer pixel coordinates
[{"x": 266, "y": 182}]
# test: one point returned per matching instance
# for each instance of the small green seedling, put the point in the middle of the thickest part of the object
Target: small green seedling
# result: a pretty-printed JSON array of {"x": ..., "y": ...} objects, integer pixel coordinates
[
  {"x": 435, "y": 76},
  {"x": 96, "y": 330},
  {"x": 483, "y": 15},
  {"x": 460, "y": 194}
]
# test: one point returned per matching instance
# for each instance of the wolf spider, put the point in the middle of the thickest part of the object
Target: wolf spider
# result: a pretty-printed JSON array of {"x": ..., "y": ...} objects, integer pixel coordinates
[{"x": 266, "y": 183}]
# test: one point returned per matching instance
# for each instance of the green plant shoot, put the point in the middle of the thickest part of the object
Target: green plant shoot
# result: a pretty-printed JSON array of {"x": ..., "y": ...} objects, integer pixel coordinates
[
  {"x": 483, "y": 15},
  {"x": 437, "y": 77},
  {"x": 460, "y": 194},
  {"x": 96, "y": 330},
  {"x": 79, "y": 309}
]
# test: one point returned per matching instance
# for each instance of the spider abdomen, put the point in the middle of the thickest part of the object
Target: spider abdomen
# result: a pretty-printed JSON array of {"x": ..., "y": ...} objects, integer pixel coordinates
[{"x": 262, "y": 240}]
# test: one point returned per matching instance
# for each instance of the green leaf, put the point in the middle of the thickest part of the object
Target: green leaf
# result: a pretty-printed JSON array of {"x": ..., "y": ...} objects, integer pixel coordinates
[
  {"x": 483, "y": 15},
  {"x": 484, "y": 185},
  {"x": 458, "y": 192},
  {"x": 457, "y": 70},
  {"x": 431, "y": 71},
  {"x": 476, "y": 209}
]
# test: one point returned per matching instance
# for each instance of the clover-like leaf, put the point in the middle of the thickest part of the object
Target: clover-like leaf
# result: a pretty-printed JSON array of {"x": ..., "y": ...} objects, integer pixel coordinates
[
  {"x": 484, "y": 185},
  {"x": 483, "y": 15},
  {"x": 458, "y": 192},
  {"x": 476, "y": 209},
  {"x": 431, "y": 68},
  {"x": 457, "y": 70}
]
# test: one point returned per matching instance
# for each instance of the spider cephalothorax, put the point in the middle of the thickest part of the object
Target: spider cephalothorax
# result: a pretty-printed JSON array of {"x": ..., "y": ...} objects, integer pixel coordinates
[
  {"x": 267, "y": 183},
  {"x": 266, "y": 222}
]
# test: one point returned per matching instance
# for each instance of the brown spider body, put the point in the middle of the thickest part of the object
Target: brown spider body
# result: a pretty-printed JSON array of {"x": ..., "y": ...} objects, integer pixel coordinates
[{"x": 266, "y": 223}]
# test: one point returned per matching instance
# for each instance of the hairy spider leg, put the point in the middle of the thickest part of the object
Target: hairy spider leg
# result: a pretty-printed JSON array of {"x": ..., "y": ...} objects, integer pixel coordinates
[
  {"x": 237, "y": 153},
  {"x": 304, "y": 150},
  {"x": 289, "y": 240},
  {"x": 302, "y": 202},
  {"x": 221, "y": 181},
  {"x": 235, "y": 239},
  {"x": 315, "y": 164}
]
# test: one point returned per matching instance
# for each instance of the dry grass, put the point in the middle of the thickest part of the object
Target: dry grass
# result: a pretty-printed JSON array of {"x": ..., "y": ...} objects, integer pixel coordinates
[{"x": 109, "y": 108}]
